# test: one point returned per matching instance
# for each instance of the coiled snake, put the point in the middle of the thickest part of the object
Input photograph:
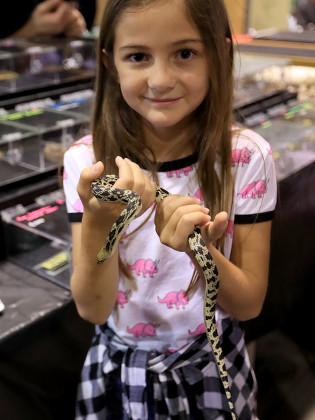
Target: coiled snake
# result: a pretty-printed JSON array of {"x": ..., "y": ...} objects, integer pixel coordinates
[{"x": 102, "y": 188}]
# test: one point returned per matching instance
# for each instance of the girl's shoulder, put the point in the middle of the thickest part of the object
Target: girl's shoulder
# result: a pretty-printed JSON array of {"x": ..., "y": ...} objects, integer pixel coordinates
[
  {"x": 81, "y": 145},
  {"x": 255, "y": 178},
  {"x": 247, "y": 138},
  {"x": 80, "y": 153},
  {"x": 249, "y": 149}
]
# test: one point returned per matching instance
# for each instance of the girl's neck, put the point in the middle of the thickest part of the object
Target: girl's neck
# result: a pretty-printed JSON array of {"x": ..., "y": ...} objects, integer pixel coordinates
[{"x": 169, "y": 143}]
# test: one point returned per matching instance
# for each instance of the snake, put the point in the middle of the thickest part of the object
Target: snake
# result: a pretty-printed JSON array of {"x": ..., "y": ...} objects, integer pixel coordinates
[{"x": 103, "y": 189}]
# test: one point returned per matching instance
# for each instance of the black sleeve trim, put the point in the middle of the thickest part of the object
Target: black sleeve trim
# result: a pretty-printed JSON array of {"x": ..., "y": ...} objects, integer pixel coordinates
[
  {"x": 75, "y": 217},
  {"x": 248, "y": 219}
]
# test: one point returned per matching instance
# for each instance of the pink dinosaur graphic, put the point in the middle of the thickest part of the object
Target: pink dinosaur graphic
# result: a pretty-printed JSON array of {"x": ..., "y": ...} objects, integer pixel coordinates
[
  {"x": 65, "y": 175},
  {"x": 78, "y": 206},
  {"x": 175, "y": 298},
  {"x": 240, "y": 156},
  {"x": 122, "y": 298},
  {"x": 145, "y": 267},
  {"x": 178, "y": 172},
  {"x": 142, "y": 330},
  {"x": 230, "y": 228},
  {"x": 269, "y": 150},
  {"x": 199, "y": 330},
  {"x": 254, "y": 188}
]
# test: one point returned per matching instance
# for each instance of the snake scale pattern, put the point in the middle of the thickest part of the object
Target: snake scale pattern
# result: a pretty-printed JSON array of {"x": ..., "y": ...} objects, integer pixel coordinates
[{"x": 102, "y": 188}]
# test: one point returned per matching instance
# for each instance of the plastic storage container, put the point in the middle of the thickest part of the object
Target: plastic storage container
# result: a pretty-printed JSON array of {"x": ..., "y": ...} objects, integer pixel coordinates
[{"x": 38, "y": 238}]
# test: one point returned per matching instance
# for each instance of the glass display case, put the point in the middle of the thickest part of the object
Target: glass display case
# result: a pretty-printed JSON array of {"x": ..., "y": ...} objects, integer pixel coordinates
[
  {"x": 25, "y": 66},
  {"x": 33, "y": 139},
  {"x": 19, "y": 153}
]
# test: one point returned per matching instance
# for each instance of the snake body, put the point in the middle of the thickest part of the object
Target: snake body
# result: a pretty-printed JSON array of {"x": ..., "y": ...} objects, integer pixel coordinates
[{"x": 102, "y": 188}]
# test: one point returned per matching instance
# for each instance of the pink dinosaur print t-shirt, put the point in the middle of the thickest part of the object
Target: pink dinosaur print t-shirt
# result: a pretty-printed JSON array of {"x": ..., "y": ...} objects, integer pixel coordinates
[{"x": 152, "y": 311}]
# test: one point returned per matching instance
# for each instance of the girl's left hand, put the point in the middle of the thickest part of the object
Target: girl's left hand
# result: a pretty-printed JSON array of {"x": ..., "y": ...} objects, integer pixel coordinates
[{"x": 176, "y": 217}]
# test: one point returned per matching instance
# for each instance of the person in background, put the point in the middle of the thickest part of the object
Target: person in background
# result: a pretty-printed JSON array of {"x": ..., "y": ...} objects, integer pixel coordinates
[
  {"x": 305, "y": 14},
  {"x": 48, "y": 17}
]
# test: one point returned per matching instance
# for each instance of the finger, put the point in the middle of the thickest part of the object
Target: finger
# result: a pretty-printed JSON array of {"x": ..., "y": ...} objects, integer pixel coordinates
[
  {"x": 220, "y": 222},
  {"x": 189, "y": 216},
  {"x": 139, "y": 177},
  {"x": 88, "y": 175},
  {"x": 177, "y": 236},
  {"x": 130, "y": 176},
  {"x": 75, "y": 19},
  {"x": 133, "y": 178},
  {"x": 175, "y": 204},
  {"x": 48, "y": 6},
  {"x": 125, "y": 174},
  {"x": 64, "y": 13},
  {"x": 214, "y": 230}
]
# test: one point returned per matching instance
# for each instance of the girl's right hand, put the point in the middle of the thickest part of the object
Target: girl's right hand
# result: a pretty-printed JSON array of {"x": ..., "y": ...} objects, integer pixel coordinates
[
  {"x": 131, "y": 177},
  {"x": 95, "y": 286}
]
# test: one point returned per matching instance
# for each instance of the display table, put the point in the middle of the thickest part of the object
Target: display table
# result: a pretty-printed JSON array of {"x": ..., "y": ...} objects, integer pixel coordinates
[
  {"x": 28, "y": 298},
  {"x": 43, "y": 343}
]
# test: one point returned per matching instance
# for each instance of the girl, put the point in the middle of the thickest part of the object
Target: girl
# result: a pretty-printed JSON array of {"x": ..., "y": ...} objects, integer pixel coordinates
[{"x": 164, "y": 97}]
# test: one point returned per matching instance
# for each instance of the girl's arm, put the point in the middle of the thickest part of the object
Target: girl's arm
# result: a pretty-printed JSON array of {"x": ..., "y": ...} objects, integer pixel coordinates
[
  {"x": 95, "y": 286},
  {"x": 243, "y": 279}
]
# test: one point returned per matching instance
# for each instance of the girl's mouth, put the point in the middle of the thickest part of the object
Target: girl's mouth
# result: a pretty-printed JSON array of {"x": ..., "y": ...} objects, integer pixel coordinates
[{"x": 162, "y": 101}]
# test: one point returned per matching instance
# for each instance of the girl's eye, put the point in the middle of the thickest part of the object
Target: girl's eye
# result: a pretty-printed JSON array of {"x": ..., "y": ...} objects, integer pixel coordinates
[
  {"x": 137, "y": 58},
  {"x": 186, "y": 54}
]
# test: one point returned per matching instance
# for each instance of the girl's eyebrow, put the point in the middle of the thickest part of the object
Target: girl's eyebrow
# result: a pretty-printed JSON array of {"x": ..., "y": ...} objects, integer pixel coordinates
[
  {"x": 176, "y": 43},
  {"x": 188, "y": 41}
]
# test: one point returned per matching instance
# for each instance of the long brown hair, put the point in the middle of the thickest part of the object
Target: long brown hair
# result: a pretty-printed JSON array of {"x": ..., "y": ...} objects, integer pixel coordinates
[{"x": 117, "y": 129}]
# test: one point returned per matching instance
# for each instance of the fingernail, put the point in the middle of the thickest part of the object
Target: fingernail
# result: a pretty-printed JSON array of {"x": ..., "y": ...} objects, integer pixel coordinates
[{"x": 96, "y": 167}]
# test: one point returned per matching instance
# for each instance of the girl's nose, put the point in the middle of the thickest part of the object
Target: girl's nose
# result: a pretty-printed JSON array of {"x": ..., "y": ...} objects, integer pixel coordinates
[{"x": 161, "y": 77}]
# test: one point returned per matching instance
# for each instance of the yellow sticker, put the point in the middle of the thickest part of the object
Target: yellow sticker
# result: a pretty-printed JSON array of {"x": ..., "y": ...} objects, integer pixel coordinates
[{"x": 56, "y": 261}]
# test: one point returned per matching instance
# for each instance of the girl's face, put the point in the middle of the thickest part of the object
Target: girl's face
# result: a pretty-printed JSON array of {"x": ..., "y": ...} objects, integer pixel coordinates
[{"x": 161, "y": 63}]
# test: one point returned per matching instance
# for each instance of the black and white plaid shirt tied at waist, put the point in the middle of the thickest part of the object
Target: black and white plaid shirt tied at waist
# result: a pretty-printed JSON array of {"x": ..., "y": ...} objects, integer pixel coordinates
[{"x": 172, "y": 376}]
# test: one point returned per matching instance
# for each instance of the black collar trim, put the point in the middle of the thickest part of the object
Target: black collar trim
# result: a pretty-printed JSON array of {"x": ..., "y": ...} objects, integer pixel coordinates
[{"x": 174, "y": 165}]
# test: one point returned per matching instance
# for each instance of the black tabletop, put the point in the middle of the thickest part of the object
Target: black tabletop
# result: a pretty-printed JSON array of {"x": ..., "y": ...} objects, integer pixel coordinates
[{"x": 27, "y": 298}]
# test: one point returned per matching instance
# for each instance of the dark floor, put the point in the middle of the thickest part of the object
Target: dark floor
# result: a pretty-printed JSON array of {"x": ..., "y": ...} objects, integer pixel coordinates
[{"x": 286, "y": 378}]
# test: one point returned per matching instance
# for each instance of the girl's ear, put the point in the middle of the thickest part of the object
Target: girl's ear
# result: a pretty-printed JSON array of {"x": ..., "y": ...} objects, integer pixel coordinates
[{"x": 104, "y": 58}]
